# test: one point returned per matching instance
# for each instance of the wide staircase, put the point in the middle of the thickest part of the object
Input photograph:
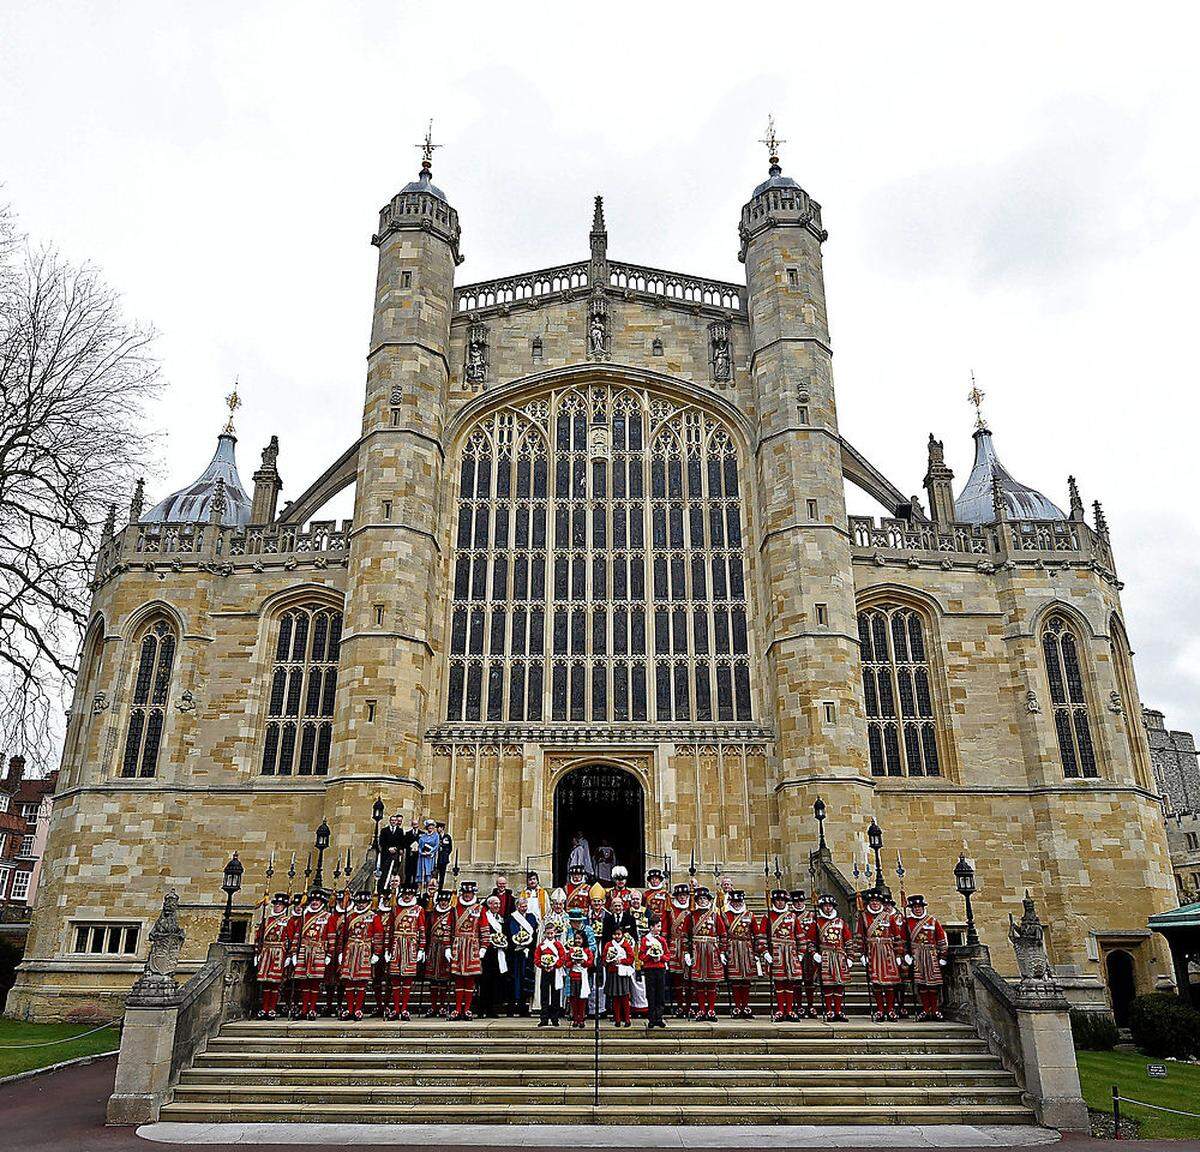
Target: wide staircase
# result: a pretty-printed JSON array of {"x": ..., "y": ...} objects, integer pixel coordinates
[{"x": 509, "y": 1071}]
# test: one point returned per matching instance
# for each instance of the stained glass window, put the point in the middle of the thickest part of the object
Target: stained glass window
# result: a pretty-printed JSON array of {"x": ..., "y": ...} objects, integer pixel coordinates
[
  {"x": 148, "y": 709},
  {"x": 303, "y": 682},
  {"x": 599, "y": 572},
  {"x": 1060, "y": 646},
  {"x": 901, "y": 728}
]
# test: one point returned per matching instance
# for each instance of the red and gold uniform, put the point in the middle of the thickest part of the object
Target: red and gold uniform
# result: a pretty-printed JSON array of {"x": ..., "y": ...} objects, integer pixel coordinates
[
  {"x": 362, "y": 944},
  {"x": 579, "y": 891},
  {"x": 705, "y": 943},
  {"x": 742, "y": 937},
  {"x": 928, "y": 947},
  {"x": 830, "y": 939},
  {"x": 439, "y": 924},
  {"x": 620, "y": 955},
  {"x": 656, "y": 897},
  {"x": 314, "y": 944},
  {"x": 785, "y": 945},
  {"x": 274, "y": 944},
  {"x": 881, "y": 942},
  {"x": 407, "y": 938},
  {"x": 674, "y": 926},
  {"x": 468, "y": 936}
]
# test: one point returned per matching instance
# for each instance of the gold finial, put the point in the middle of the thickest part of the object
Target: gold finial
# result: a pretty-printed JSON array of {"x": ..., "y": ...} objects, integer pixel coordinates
[
  {"x": 233, "y": 402},
  {"x": 772, "y": 141},
  {"x": 976, "y": 397},
  {"x": 427, "y": 146}
]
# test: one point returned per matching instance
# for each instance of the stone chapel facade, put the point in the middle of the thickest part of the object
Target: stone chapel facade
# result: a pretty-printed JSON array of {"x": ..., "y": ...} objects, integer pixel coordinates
[{"x": 601, "y": 577}]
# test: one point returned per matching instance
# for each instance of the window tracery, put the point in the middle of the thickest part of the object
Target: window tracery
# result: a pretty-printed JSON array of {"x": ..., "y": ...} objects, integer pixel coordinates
[
  {"x": 901, "y": 728},
  {"x": 303, "y": 683},
  {"x": 1068, "y": 699},
  {"x": 599, "y": 573},
  {"x": 148, "y": 710}
]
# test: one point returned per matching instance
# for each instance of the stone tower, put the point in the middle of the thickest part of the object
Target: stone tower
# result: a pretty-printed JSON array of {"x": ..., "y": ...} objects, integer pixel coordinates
[
  {"x": 809, "y": 624},
  {"x": 391, "y": 592}
]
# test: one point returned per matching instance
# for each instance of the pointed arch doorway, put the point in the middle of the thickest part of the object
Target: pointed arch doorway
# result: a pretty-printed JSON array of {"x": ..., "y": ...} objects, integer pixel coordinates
[{"x": 602, "y": 803}]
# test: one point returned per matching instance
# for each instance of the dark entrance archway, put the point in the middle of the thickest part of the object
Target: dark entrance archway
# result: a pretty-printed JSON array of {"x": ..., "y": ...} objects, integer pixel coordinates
[
  {"x": 1118, "y": 968},
  {"x": 602, "y": 803}
]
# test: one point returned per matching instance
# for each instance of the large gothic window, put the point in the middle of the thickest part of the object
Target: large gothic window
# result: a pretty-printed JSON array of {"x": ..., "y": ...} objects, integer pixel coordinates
[
  {"x": 303, "y": 683},
  {"x": 599, "y": 572},
  {"x": 148, "y": 709},
  {"x": 901, "y": 730},
  {"x": 1060, "y": 646}
]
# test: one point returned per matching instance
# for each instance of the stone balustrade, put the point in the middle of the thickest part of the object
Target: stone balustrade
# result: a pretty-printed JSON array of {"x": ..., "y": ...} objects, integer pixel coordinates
[
  {"x": 180, "y": 545},
  {"x": 631, "y": 280},
  {"x": 987, "y": 546}
]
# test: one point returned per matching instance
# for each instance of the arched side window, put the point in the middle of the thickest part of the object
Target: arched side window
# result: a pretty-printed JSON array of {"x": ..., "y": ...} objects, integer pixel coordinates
[
  {"x": 901, "y": 728},
  {"x": 303, "y": 683},
  {"x": 1060, "y": 647},
  {"x": 599, "y": 572},
  {"x": 148, "y": 708}
]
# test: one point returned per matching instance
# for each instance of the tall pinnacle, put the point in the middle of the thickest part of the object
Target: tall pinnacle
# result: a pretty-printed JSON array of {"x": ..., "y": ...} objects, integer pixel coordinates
[{"x": 599, "y": 242}]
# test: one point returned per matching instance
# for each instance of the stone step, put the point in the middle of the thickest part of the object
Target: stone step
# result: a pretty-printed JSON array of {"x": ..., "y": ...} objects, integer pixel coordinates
[
  {"x": 373, "y": 1031},
  {"x": 616, "y": 1112},
  {"x": 367, "y": 1063},
  {"x": 698, "y": 1094},
  {"x": 516, "y": 1076}
]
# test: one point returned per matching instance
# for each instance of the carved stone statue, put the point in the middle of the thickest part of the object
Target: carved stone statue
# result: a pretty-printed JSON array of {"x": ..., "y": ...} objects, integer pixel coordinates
[
  {"x": 157, "y": 984},
  {"x": 719, "y": 336},
  {"x": 1028, "y": 939},
  {"x": 477, "y": 354},
  {"x": 597, "y": 328}
]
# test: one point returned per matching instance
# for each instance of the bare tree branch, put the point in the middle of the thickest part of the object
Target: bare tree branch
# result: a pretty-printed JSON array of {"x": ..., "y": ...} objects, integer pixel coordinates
[{"x": 74, "y": 380}]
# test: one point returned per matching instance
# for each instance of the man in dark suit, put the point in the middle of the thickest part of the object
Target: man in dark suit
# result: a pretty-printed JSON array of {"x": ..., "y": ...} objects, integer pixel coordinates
[
  {"x": 507, "y": 900},
  {"x": 445, "y": 851},
  {"x": 412, "y": 838},
  {"x": 391, "y": 853}
]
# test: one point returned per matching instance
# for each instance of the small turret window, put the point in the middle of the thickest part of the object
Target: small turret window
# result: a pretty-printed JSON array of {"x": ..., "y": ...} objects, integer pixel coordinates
[
  {"x": 1060, "y": 646},
  {"x": 901, "y": 728},
  {"x": 303, "y": 683},
  {"x": 148, "y": 712}
]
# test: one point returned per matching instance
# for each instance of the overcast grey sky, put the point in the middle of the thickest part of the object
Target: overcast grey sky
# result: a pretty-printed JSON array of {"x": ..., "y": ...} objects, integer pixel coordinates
[{"x": 1011, "y": 189}]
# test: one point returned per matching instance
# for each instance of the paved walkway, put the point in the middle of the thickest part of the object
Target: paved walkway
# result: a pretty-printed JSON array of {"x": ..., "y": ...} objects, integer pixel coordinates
[
  {"x": 605, "y": 1136},
  {"x": 64, "y": 1112}
]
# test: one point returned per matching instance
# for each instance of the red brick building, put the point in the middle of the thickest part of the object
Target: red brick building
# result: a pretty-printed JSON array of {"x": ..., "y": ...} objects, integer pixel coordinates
[{"x": 24, "y": 821}]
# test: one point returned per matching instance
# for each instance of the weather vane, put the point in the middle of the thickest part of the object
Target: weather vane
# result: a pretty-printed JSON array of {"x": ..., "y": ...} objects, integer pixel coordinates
[
  {"x": 427, "y": 146},
  {"x": 233, "y": 402},
  {"x": 771, "y": 140},
  {"x": 976, "y": 398}
]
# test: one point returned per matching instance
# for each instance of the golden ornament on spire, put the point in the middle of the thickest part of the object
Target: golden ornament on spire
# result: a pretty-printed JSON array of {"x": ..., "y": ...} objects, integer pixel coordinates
[
  {"x": 233, "y": 402},
  {"x": 771, "y": 140},
  {"x": 976, "y": 397}
]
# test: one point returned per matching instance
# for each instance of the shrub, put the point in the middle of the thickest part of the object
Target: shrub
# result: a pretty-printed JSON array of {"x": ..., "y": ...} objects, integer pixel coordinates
[
  {"x": 1095, "y": 1031},
  {"x": 1163, "y": 1025}
]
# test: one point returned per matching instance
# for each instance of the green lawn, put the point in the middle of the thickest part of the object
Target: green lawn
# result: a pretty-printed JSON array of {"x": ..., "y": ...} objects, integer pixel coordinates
[
  {"x": 23, "y": 1059},
  {"x": 1099, "y": 1071}
]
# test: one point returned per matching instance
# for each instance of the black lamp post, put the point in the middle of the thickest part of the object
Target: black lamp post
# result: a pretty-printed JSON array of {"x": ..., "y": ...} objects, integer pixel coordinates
[
  {"x": 819, "y": 813},
  {"x": 377, "y": 816},
  {"x": 321, "y": 843},
  {"x": 875, "y": 839},
  {"x": 964, "y": 881},
  {"x": 231, "y": 883}
]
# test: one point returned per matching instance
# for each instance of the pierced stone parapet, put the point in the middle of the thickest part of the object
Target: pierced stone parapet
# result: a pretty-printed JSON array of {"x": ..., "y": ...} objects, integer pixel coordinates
[
  {"x": 422, "y": 211},
  {"x": 676, "y": 288},
  {"x": 219, "y": 548},
  {"x": 984, "y": 546},
  {"x": 525, "y": 288},
  {"x": 780, "y": 207}
]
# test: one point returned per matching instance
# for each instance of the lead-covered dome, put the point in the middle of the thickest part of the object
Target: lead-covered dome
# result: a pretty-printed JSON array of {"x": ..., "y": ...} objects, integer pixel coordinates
[
  {"x": 194, "y": 504},
  {"x": 775, "y": 179},
  {"x": 975, "y": 504}
]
